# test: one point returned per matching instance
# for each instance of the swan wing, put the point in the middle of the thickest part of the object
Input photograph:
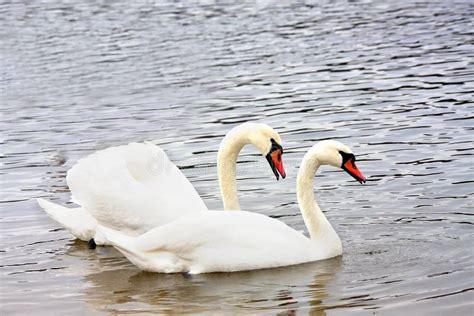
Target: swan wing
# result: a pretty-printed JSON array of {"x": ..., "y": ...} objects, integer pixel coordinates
[
  {"x": 218, "y": 241},
  {"x": 132, "y": 188}
]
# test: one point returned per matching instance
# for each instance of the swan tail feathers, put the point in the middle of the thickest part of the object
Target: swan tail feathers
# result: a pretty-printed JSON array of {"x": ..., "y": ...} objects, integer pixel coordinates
[
  {"x": 76, "y": 220},
  {"x": 122, "y": 242},
  {"x": 152, "y": 260},
  {"x": 125, "y": 244}
]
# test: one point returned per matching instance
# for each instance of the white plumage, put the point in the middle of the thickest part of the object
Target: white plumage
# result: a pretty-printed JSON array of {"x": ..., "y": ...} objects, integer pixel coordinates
[
  {"x": 216, "y": 241},
  {"x": 130, "y": 188},
  {"x": 134, "y": 188}
]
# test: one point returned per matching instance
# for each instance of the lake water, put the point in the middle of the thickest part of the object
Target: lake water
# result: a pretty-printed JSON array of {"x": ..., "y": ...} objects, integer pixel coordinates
[{"x": 394, "y": 80}]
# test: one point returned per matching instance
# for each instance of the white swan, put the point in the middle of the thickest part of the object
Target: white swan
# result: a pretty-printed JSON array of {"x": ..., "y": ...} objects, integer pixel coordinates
[
  {"x": 234, "y": 241},
  {"x": 135, "y": 187}
]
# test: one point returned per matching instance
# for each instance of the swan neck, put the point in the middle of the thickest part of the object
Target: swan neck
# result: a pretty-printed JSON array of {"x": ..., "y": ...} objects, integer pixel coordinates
[
  {"x": 229, "y": 149},
  {"x": 315, "y": 220}
]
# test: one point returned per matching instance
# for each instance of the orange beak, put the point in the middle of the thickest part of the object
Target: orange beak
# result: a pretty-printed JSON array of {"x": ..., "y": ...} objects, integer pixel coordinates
[
  {"x": 350, "y": 167},
  {"x": 276, "y": 163}
]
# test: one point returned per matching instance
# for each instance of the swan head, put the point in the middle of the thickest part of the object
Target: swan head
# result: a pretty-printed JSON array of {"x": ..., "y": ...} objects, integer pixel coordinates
[
  {"x": 266, "y": 140},
  {"x": 336, "y": 154}
]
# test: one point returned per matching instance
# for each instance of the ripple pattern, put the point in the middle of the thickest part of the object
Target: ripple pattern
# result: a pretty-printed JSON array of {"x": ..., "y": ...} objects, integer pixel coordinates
[{"x": 394, "y": 80}]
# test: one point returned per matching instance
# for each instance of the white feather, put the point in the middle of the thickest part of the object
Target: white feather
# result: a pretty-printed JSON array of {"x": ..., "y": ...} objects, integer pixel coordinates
[
  {"x": 132, "y": 188},
  {"x": 77, "y": 220},
  {"x": 135, "y": 187},
  {"x": 217, "y": 241}
]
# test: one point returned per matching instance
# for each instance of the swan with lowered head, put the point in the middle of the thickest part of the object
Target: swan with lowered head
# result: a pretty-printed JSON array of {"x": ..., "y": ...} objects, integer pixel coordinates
[
  {"x": 234, "y": 241},
  {"x": 135, "y": 187}
]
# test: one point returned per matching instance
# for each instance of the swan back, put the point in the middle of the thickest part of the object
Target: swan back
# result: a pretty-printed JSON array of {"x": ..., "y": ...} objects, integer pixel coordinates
[{"x": 218, "y": 241}]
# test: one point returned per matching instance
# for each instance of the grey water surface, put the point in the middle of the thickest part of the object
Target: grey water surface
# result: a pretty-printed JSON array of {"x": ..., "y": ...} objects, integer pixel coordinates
[{"x": 394, "y": 80}]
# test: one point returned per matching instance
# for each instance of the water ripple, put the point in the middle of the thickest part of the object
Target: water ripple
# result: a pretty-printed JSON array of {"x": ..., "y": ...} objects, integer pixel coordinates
[{"x": 79, "y": 77}]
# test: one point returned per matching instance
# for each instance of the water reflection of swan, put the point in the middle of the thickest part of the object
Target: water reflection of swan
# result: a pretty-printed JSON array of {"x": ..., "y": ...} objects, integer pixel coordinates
[
  {"x": 135, "y": 187},
  {"x": 216, "y": 241},
  {"x": 278, "y": 289}
]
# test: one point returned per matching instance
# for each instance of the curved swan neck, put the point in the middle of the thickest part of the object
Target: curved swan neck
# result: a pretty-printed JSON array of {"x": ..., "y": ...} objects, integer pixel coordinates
[
  {"x": 229, "y": 149},
  {"x": 314, "y": 218}
]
